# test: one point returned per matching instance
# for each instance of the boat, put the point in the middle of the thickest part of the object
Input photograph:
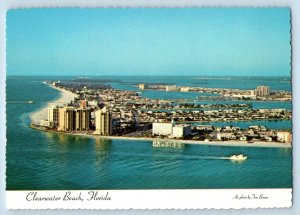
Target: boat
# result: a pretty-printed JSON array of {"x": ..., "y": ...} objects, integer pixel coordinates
[{"x": 240, "y": 157}]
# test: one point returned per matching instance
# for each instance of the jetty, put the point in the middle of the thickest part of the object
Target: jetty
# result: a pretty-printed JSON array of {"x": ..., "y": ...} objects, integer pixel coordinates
[{"x": 20, "y": 102}]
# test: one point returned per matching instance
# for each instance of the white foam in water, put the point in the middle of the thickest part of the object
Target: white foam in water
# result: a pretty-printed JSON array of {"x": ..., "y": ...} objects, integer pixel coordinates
[{"x": 214, "y": 158}]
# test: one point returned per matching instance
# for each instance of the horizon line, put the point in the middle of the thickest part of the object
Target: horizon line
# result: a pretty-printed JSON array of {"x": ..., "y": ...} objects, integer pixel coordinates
[{"x": 150, "y": 75}]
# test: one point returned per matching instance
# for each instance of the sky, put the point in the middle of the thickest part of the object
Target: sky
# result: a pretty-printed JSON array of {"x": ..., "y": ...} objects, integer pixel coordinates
[{"x": 190, "y": 41}]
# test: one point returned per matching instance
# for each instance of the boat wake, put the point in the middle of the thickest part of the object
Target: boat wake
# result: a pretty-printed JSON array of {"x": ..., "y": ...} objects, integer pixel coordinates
[
  {"x": 232, "y": 158},
  {"x": 214, "y": 158}
]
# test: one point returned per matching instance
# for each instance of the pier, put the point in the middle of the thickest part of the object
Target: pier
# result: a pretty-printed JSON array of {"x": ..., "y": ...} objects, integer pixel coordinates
[{"x": 20, "y": 102}]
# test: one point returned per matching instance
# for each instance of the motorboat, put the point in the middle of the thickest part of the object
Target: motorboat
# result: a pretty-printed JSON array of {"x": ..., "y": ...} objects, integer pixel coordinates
[{"x": 240, "y": 157}]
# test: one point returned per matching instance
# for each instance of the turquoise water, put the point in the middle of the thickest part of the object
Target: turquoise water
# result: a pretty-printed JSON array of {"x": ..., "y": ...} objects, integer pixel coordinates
[{"x": 45, "y": 161}]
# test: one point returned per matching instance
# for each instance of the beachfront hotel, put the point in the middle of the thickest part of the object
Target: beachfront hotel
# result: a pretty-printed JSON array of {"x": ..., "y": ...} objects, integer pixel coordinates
[
  {"x": 284, "y": 136},
  {"x": 53, "y": 115},
  {"x": 171, "y": 129},
  {"x": 66, "y": 119},
  {"x": 162, "y": 128},
  {"x": 182, "y": 130},
  {"x": 82, "y": 119},
  {"x": 103, "y": 122},
  {"x": 71, "y": 119}
]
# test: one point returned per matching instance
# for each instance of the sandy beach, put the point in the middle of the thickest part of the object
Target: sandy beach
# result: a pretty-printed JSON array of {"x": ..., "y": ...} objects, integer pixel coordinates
[
  {"x": 234, "y": 143},
  {"x": 40, "y": 114},
  {"x": 212, "y": 143}
]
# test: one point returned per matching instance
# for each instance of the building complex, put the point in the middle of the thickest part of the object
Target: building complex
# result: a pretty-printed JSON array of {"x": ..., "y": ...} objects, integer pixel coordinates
[{"x": 101, "y": 110}]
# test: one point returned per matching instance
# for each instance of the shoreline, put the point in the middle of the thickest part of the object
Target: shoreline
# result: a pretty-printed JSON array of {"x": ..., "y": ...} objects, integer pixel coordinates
[
  {"x": 42, "y": 113},
  {"x": 234, "y": 143},
  {"x": 211, "y": 143},
  {"x": 66, "y": 96}
]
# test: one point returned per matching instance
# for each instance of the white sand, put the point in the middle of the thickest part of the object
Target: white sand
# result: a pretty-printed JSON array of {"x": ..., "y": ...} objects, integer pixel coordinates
[
  {"x": 234, "y": 143},
  {"x": 42, "y": 114}
]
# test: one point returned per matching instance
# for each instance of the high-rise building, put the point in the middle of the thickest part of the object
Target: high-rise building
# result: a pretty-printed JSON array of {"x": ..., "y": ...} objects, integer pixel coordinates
[
  {"x": 82, "y": 119},
  {"x": 262, "y": 90},
  {"x": 53, "y": 115},
  {"x": 103, "y": 122},
  {"x": 66, "y": 119},
  {"x": 71, "y": 119},
  {"x": 252, "y": 93}
]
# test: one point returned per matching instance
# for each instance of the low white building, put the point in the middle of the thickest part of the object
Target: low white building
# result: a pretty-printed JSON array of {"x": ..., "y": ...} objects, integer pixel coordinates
[
  {"x": 143, "y": 86},
  {"x": 162, "y": 128},
  {"x": 268, "y": 139},
  {"x": 171, "y": 88},
  {"x": 255, "y": 127},
  {"x": 93, "y": 103},
  {"x": 226, "y": 136},
  {"x": 204, "y": 127},
  {"x": 243, "y": 138},
  {"x": 170, "y": 129},
  {"x": 181, "y": 130},
  {"x": 184, "y": 89},
  {"x": 284, "y": 136}
]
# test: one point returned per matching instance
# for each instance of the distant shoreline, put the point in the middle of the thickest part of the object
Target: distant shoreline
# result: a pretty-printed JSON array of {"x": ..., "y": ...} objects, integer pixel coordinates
[{"x": 191, "y": 76}]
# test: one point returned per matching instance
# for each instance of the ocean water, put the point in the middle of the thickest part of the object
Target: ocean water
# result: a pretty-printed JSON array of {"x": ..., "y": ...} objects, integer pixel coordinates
[{"x": 44, "y": 161}]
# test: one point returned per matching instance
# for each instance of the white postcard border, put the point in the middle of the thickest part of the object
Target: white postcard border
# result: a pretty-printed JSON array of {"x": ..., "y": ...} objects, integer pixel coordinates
[
  {"x": 296, "y": 104},
  {"x": 150, "y": 199}
]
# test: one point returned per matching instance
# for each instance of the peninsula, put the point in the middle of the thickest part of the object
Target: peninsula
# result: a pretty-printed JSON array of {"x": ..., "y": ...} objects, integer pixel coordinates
[{"x": 91, "y": 108}]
